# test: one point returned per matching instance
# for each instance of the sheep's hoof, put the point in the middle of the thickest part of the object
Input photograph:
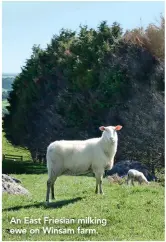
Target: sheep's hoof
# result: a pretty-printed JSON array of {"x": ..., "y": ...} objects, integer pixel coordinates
[
  {"x": 101, "y": 193},
  {"x": 47, "y": 203}
]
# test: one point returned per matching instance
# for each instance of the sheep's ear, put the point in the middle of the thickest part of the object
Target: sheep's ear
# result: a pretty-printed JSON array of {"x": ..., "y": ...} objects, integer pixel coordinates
[
  {"x": 102, "y": 128},
  {"x": 118, "y": 127}
]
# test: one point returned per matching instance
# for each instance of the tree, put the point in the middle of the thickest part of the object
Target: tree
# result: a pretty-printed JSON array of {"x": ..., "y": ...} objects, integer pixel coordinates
[{"x": 69, "y": 89}]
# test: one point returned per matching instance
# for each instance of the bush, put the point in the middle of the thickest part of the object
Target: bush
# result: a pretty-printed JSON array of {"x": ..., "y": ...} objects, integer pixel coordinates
[
  {"x": 81, "y": 81},
  {"x": 152, "y": 38}
]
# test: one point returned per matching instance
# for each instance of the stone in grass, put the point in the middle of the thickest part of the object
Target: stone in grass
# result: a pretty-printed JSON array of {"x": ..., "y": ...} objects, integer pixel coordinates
[
  {"x": 10, "y": 185},
  {"x": 16, "y": 180},
  {"x": 115, "y": 179}
]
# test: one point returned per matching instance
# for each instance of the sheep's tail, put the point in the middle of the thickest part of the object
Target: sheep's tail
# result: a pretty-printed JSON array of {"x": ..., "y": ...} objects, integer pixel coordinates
[
  {"x": 50, "y": 164},
  {"x": 48, "y": 158}
]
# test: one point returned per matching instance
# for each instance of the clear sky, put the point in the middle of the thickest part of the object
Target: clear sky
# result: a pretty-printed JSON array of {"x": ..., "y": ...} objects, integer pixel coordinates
[{"x": 27, "y": 23}]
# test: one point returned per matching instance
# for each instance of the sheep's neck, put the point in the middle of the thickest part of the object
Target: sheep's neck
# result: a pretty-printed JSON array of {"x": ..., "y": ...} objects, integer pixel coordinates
[{"x": 108, "y": 147}]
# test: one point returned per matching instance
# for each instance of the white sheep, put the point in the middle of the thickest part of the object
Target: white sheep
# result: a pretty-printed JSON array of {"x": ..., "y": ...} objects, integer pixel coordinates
[
  {"x": 78, "y": 157},
  {"x": 137, "y": 176}
]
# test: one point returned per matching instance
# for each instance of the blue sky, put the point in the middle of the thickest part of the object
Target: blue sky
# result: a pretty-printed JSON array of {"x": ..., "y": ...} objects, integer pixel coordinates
[{"x": 27, "y": 23}]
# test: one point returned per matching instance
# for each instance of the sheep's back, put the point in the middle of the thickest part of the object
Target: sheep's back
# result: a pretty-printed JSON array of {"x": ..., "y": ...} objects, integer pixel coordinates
[
  {"x": 79, "y": 156},
  {"x": 72, "y": 153}
]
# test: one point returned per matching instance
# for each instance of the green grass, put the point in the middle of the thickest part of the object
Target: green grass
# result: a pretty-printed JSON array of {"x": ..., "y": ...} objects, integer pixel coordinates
[
  {"x": 7, "y": 148},
  {"x": 132, "y": 213}
]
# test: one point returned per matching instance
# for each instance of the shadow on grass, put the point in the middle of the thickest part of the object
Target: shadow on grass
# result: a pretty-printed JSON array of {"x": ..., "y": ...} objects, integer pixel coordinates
[
  {"x": 22, "y": 167},
  {"x": 28, "y": 167},
  {"x": 58, "y": 204}
]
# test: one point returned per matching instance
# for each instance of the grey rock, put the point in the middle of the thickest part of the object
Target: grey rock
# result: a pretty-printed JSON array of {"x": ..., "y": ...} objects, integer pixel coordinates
[
  {"x": 16, "y": 180},
  {"x": 10, "y": 185}
]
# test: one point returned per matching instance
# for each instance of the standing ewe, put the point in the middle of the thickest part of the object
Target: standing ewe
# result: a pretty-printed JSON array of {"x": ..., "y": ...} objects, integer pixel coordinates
[
  {"x": 136, "y": 175},
  {"x": 64, "y": 157}
]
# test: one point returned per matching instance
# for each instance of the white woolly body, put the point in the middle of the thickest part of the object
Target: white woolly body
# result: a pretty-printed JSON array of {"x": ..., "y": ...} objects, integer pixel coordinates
[
  {"x": 79, "y": 156},
  {"x": 137, "y": 175}
]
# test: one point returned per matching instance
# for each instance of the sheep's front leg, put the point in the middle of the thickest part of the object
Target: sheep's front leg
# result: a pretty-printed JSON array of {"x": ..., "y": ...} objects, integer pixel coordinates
[
  {"x": 98, "y": 183},
  {"x": 97, "y": 186},
  {"x": 132, "y": 181},
  {"x": 127, "y": 181}
]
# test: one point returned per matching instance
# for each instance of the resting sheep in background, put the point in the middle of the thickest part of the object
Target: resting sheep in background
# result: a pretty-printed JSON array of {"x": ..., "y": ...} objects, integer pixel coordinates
[
  {"x": 78, "y": 157},
  {"x": 137, "y": 176}
]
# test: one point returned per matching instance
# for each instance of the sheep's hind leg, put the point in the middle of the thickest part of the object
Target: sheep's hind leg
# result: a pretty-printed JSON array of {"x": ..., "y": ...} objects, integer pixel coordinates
[
  {"x": 48, "y": 190},
  {"x": 132, "y": 181},
  {"x": 51, "y": 181},
  {"x": 52, "y": 189}
]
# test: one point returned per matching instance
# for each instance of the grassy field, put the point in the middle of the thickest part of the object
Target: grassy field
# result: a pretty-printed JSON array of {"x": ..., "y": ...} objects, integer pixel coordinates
[
  {"x": 125, "y": 213},
  {"x": 7, "y": 148}
]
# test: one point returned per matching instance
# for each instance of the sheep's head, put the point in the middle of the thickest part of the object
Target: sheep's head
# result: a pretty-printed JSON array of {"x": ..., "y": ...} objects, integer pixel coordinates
[{"x": 110, "y": 132}]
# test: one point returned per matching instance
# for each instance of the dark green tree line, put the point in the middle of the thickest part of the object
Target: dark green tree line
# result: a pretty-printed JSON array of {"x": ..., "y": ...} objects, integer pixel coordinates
[{"x": 69, "y": 89}]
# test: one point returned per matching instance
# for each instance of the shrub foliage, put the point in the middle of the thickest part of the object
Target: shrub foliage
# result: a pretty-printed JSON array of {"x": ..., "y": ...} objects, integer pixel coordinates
[{"x": 77, "y": 83}]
